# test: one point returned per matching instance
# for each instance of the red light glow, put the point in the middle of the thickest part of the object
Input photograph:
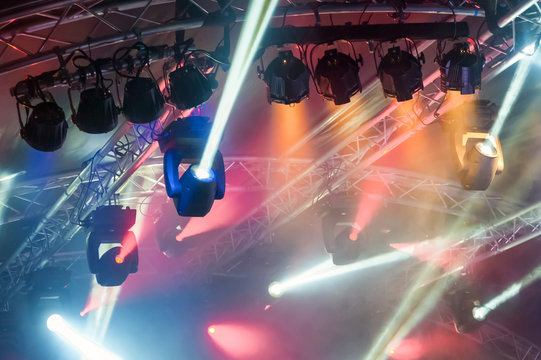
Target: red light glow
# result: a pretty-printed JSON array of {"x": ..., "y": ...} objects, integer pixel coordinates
[
  {"x": 243, "y": 341},
  {"x": 119, "y": 259},
  {"x": 369, "y": 205}
]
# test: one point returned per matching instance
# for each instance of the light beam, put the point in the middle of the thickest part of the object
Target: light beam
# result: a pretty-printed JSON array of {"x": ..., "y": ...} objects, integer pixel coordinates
[
  {"x": 511, "y": 96},
  {"x": 87, "y": 348},
  {"x": 327, "y": 270},
  {"x": 258, "y": 16},
  {"x": 481, "y": 312}
]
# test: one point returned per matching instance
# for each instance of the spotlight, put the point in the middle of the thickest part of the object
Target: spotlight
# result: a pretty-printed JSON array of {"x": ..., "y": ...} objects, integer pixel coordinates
[
  {"x": 46, "y": 127},
  {"x": 112, "y": 252},
  {"x": 287, "y": 79},
  {"x": 400, "y": 74},
  {"x": 143, "y": 101},
  {"x": 189, "y": 87},
  {"x": 97, "y": 112},
  {"x": 337, "y": 228},
  {"x": 337, "y": 76},
  {"x": 463, "y": 302},
  {"x": 195, "y": 191},
  {"x": 478, "y": 155},
  {"x": 461, "y": 69}
]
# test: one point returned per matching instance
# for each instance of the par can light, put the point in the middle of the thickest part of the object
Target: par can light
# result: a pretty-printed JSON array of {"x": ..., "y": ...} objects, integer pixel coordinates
[
  {"x": 400, "y": 74},
  {"x": 46, "y": 127},
  {"x": 189, "y": 87},
  {"x": 143, "y": 101},
  {"x": 461, "y": 69},
  {"x": 287, "y": 79},
  {"x": 337, "y": 76},
  {"x": 97, "y": 112}
]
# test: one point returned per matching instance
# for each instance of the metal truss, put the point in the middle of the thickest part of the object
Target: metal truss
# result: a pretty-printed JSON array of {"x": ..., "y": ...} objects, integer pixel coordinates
[
  {"x": 248, "y": 174},
  {"x": 45, "y": 17},
  {"x": 95, "y": 185},
  {"x": 361, "y": 143},
  {"x": 494, "y": 337}
]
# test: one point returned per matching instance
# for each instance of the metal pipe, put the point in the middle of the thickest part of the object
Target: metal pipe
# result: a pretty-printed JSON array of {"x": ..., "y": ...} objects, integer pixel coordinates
[
  {"x": 377, "y": 8},
  {"x": 515, "y": 12},
  {"x": 11, "y": 13},
  {"x": 99, "y": 17},
  {"x": 195, "y": 23},
  {"x": 108, "y": 40}
]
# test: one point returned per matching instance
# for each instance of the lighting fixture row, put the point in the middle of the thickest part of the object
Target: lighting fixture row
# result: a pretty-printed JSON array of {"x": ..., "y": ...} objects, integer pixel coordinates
[
  {"x": 45, "y": 127},
  {"x": 336, "y": 75}
]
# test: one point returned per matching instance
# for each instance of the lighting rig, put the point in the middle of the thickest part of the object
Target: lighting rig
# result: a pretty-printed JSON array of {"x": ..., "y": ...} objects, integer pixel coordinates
[
  {"x": 191, "y": 84},
  {"x": 45, "y": 127},
  {"x": 183, "y": 141},
  {"x": 111, "y": 249},
  {"x": 340, "y": 233},
  {"x": 400, "y": 72},
  {"x": 462, "y": 300},
  {"x": 143, "y": 100},
  {"x": 477, "y": 154},
  {"x": 461, "y": 68},
  {"x": 336, "y": 75}
]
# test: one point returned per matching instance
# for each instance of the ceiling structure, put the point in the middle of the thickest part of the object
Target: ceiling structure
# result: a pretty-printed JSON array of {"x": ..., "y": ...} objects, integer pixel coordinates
[{"x": 339, "y": 149}]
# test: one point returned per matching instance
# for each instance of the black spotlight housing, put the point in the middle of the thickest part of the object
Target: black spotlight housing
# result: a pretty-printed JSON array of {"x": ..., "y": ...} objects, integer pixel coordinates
[
  {"x": 183, "y": 141},
  {"x": 110, "y": 229},
  {"x": 189, "y": 87},
  {"x": 461, "y": 302},
  {"x": 97, "y": 112},
  {"x": 461, "y": 69},
  {"x": 337, "y": 228},
  {"x": 46, "y": 127},
  {"x": 337, "y": 76},
  {"x": 287, "y": 79},
  {"x": 143, "y": 101},
  {"x": 400, "y": 74}
]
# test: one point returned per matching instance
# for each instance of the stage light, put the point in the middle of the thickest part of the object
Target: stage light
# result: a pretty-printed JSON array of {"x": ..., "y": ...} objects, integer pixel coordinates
[
  {"x": 337, "y": 76},
  {"x": 194, "y": 192},
  {"x": 480, "y": 312},
  {"x": 400, "y": 74},
  {"x": 97, "y": 112},
  {"x": 327, "y": 270},
  {"x": 340, "y": 236},
  {"x": 189, "y": 87},
  {"x": 275, "y": 289},
  {"x": 478, "y": 155},
  {"x": 110, "y": 225},
  {"x": 258, "y": 16},
  {"x": 461, "y": 69},
  {"x": 211, "y": 329},
  {"x": 287, "y": 79},
  {"x": 462, "y": 302},
  {"x": 87, "y": 348},
  {"x": 46, "y": 127},
  {"x": 143, "y": 101}
]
